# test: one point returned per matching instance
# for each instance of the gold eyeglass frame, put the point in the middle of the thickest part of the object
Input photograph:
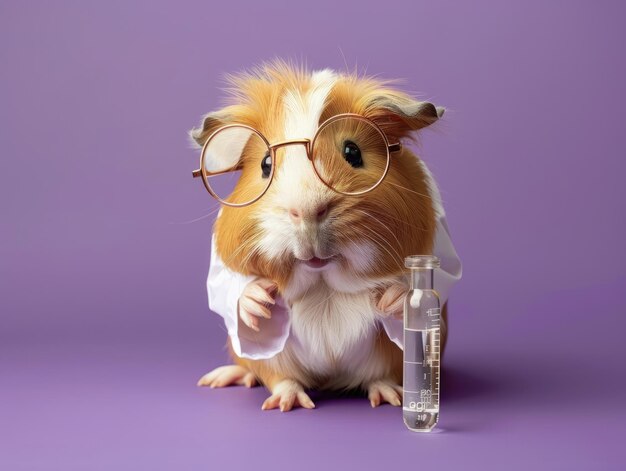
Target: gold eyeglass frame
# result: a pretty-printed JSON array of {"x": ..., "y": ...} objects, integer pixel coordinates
[{"x": 309, "y": 144}]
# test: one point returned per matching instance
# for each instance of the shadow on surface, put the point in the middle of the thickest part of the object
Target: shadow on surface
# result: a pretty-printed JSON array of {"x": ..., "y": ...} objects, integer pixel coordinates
[{"x": 457, "y": 385}]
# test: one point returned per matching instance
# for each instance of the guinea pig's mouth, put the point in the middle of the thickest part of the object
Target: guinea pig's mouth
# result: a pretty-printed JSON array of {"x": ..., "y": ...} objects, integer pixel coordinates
[{"x": 318, "y": 263}]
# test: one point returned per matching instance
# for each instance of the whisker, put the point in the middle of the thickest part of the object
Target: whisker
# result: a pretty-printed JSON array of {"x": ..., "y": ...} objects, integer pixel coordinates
[
  {"x": 381, "y": 223},
  {"x": 236, "y": 252},
  {"x": 191, "y": 221},
  {"x": 247, "y": 259},
  {"x": 412, "y": 191}
]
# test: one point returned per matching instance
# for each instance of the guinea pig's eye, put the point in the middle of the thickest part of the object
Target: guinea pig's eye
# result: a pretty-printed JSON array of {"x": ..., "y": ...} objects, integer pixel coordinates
[
  {"x": 352, "y": 154},
  {"x": 266, "y": 165}
]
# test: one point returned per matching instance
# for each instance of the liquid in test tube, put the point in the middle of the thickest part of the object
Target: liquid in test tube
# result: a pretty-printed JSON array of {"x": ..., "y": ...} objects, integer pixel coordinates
[{"x": 422, "y": 318}]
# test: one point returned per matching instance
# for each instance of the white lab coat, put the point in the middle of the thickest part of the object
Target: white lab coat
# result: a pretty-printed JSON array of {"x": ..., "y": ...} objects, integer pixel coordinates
[{"x": 225, "y": 286}]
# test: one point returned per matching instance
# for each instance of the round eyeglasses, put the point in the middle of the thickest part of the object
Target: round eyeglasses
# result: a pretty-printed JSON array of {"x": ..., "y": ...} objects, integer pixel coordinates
[{"x": 349, "y": 153}]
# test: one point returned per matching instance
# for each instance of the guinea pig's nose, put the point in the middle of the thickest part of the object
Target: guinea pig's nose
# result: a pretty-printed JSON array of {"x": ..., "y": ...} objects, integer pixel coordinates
[{"x": 317, "y": 213}]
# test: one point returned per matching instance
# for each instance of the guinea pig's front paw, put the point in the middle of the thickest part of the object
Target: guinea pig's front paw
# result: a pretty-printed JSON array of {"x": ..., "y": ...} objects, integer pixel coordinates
[
  {"x": 391, "y": 301},
  {"x": 384, "y": 391},
  {"x": 287, "y": 394},
  {"x": 227, "y": 375},
  {"x": 255, "y": 300}
]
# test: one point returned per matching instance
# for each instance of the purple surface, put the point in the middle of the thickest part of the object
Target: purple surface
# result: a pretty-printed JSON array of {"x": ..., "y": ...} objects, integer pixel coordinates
[{"x": 105, "y": 236}]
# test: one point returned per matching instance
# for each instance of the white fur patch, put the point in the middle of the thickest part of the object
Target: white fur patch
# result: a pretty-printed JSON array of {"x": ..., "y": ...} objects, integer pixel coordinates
[
  {"x": 277, "y": 233},
  {"x": 303, "y": 112},
  {"x": 295, "y": 183},
  {"x": 330, "y": 326},
  {"x": 361, "y": 255}
]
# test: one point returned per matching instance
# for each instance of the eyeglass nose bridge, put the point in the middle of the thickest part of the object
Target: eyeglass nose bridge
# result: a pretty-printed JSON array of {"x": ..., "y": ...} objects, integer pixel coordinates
[{"x": 305, "y": 142}]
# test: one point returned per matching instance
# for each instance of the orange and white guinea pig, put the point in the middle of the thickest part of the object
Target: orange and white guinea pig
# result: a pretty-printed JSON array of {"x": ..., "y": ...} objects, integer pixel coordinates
[{"x": 311, "y": 281}]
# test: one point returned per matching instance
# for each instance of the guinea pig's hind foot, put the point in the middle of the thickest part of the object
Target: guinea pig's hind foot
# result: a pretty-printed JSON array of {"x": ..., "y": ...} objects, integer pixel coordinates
[
  {"x": 384, "y": 391},
  {"x": 286, "y": 394},
  {"x": 228, "y": 375}
]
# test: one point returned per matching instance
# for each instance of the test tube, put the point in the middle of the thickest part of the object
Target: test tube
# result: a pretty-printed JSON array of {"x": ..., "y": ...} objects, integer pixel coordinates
[{"x": 422, "y": 317}]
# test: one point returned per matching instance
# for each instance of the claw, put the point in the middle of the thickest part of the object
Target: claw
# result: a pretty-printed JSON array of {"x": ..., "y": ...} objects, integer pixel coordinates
[
  {"x": 228, "y": 375},
  {"x": 286, "y": 395},
  {"x": 384, "y": 391}
]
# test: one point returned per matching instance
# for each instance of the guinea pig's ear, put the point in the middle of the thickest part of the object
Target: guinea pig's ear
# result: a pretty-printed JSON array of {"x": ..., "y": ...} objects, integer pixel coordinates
[
  {"x": 399, "y": 114},
  {"x": 210, "y": 123}
]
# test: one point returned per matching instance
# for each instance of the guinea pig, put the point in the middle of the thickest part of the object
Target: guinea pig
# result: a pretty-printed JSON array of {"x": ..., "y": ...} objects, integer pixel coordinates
[{"x": 310, "y": 276}]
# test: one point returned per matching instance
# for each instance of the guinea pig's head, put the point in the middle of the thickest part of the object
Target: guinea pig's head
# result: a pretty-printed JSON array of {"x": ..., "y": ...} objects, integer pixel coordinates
[{"x": 301, "y": 229}]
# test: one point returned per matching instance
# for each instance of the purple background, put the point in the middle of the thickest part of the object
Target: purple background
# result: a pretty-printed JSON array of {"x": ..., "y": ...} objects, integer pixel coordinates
[{"x": 105, "y": 236}]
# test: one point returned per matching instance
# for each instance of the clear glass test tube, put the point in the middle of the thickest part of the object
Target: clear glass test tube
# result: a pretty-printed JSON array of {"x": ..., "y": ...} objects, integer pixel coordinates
[{"x": 422, "y": 346}]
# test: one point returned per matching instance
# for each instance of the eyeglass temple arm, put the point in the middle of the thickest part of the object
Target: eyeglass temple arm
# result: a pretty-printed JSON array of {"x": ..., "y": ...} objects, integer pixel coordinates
[
  {"x": 198, "y": 172},
  {"x": 397, "y": 147}
]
